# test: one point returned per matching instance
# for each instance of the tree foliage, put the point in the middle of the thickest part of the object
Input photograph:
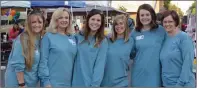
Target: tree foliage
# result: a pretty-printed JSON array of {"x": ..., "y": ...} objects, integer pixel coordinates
[
  {"x": 192, "y": 8},
  {"x": 169, "y": 6},
  {"x": 167, "y": 3},
  {"x": 122, "y": 8},
  {"x": 177, "y": 9}
]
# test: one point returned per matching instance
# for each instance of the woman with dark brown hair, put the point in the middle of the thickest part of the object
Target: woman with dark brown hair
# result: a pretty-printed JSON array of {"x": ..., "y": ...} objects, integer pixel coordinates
[
  {"x": 177, "y": 54},
  {"x": 91, "y": 56},
  {"x": 148, "y": 38}
]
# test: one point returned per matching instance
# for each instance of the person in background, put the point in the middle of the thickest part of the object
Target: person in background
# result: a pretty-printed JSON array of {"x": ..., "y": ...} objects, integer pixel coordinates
[
  {"x": 58, "y": 51},
  {"x": 116, "y": 69},
  {"x": 160, "y": 15},
  {"x": 76, "y": 27},
  {"x": 25, "y": 55},
  {"x": 177, "y": 54},
  {"x": 14, "y": 31},
  {"x": 21, "y": 26},
  {"x": 92, "y": 48},
  {"x": 148, "y": 37},
  {"x": 45, "y": 14},
  {"x": 162, "y": 10},
  {"x": 131, "y": 24}
]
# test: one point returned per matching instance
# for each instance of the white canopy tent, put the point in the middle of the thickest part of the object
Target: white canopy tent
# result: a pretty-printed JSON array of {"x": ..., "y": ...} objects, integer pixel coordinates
[
  {"x": 28, "y": 4},
  {"x": 8, "y": 4},
  {"x": 100, "y": 3}
]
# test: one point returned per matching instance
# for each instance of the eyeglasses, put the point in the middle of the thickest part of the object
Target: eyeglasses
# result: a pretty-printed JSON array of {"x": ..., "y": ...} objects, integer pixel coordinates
[{"x": 169, "y": 22}]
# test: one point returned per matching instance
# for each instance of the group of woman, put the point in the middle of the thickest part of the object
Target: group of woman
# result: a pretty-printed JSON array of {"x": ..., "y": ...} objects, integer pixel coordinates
[{"x": 162, "y": 56}]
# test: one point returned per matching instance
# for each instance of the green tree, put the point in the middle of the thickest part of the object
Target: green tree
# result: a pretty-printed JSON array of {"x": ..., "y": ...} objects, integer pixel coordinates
[
  {"x": 177, "y": 9},
  {"x": 167, "y": 3},
  {"x": 193, "y": 8},
  {"x": 122, "y": 8}
]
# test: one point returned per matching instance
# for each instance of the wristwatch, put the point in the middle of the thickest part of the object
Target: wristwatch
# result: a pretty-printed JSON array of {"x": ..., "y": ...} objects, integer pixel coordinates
[{"x": 21, "y": 84}]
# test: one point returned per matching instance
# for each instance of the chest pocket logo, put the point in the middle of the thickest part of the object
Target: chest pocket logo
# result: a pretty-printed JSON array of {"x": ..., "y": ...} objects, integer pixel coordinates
[
  {"x": 36, "y": 52},
  {"x": 72, "y": 41},
  {"x": 175, "y": 46},
  {"x": 140, "y": 37}
]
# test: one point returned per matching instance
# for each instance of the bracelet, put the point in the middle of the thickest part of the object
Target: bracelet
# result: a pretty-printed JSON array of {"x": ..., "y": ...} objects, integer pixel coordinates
[{"x": 21, "y": 84}]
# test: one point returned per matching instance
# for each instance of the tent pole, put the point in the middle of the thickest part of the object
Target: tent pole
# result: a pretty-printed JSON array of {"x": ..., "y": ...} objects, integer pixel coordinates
[
  {"x": 155, "y": 4},
  {"x": 107, "y": 15},
  {"x": 71, "y": 9},
  {"x": 9, "y": 15},
  {"x": 86, "y": 11}
]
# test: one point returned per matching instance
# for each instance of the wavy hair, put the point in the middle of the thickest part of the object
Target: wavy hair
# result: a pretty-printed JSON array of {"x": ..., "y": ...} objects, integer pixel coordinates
[
  {"x": 28, "y": 39},
  {"x": 99, "y": 36},
  {"x": 126, "y": 32},
  {"x": 55, "y": 16},
  {"x": 153, "y": 23}
]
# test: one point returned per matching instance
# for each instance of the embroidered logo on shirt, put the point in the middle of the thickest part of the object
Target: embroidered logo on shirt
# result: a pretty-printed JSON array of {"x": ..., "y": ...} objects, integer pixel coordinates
[
  {"x": 36, "y": 52},
  {"x": 72, "y": 41},
  {"x": 140, "y": 37}
]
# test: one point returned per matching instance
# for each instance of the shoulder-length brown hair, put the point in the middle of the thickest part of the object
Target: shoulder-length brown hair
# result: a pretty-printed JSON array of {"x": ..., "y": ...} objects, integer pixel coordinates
[
  {"x": 99, "y": 36},
  {"x": 126, "y": 32},
  {"x": 174, "y": 15},
  {"x": 28, "y": 39},
  {"x": 153, "y": 23}
]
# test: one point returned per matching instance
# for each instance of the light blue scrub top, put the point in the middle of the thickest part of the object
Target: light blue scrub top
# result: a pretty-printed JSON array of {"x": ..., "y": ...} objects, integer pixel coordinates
[
  {"x": 58, "y": 53},
  {"x": 146, "y": 69},
  {"x": 118, "y": 58},
  {"x": 16, "y": 63},
  {"x": 177, "y": 57},
  {"x": 90, "y": 62}
]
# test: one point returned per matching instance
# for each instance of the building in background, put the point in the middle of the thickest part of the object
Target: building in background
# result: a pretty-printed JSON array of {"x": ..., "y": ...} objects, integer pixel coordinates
[{"x": 132, "y": 6}]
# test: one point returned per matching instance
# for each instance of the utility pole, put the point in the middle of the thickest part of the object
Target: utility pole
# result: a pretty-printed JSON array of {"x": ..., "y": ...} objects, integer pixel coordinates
[{"x": 110, "y": 3}]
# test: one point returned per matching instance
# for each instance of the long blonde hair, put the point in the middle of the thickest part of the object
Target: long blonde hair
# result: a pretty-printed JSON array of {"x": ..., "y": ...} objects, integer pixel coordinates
[
  {"x": 126, "y": 32},
  {"x": 55, "y": 16},
  {"x": 28, "y": 39}
]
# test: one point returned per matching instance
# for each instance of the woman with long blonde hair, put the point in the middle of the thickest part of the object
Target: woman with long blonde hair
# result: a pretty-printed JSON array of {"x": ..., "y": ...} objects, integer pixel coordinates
[
  {"x": 118, "y": 55},
  {"x": 91, "y": 57},
  {"x": 58, "y": 51},
  {"x": 25, "y": 55}
]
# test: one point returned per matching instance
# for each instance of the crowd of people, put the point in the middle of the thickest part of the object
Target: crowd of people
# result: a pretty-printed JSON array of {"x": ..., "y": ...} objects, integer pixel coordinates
[{"x": 56, "y": 57}]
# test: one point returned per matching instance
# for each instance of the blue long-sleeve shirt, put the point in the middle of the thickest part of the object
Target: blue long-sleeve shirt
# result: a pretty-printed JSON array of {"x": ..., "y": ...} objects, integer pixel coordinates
[
  {"x": 146, "y": 69},
  {"x": 58, "y": 53},
  {"x": 90, "y": 62},
  {"x": 177, "y": 57},
  {"x": 16, "y": 63},
  {"x": 118, "y": 58}
]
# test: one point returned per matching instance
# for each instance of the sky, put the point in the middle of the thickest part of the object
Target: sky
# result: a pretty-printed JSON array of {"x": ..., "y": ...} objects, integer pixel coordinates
[
  {"x": 132, "y": 5},
  {"x": 184, "y": 5}
]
